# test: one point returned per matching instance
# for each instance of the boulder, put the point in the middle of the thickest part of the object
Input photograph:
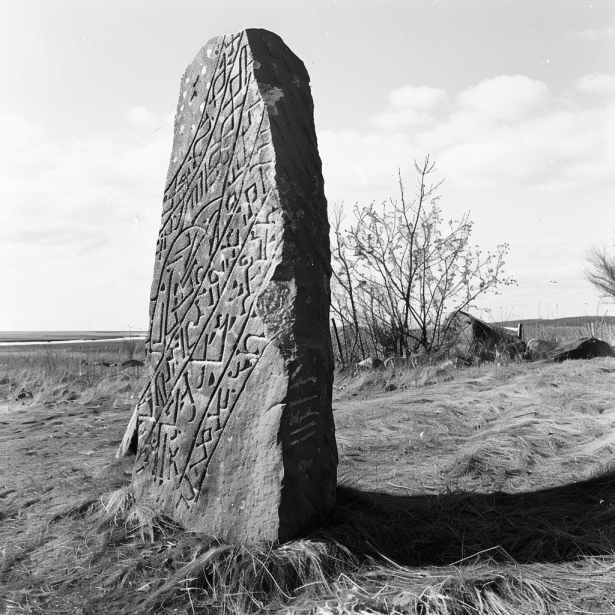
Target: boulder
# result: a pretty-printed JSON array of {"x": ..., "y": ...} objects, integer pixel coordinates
[
  {"x": 370, "y": 363},
  {"x": 584, "y": 348},
  {"x": 539, "y": 349},
  {"x": 470, "y": 339},
  {"x": 539, "y": 346},
  {"x": 133, "y": 363},
  {"x": 396, "y": 362}
]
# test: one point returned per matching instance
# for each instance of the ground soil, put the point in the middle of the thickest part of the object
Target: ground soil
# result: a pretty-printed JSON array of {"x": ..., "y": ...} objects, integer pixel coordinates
[{"x": 549, "y": 426}]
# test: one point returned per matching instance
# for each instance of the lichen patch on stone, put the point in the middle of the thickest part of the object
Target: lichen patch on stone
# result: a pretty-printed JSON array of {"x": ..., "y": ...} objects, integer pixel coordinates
[{"x": 270, "y": 95}]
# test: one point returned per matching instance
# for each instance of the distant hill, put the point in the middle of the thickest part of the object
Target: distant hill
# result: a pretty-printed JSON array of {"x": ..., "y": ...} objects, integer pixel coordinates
[
  {"x": 61, "y": 336},
  {"x": 572, "y": 321}
]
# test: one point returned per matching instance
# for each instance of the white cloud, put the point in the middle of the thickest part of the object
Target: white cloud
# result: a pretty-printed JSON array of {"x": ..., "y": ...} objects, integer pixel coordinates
[
  {"x": 459, "y": 127},
  {"x": 421, "y": 97},
  {"x": 74, "y": 193},
  {"x": 23, "y": 145},
  {"x": 506, "y": 98},
  {"x": 67, "y": 237},
  {"x": 141, "y": 115},
  {"x": 402, "y": 118},
  {"x": 599, "y": 84},
  {"x": 594, "y": 35},
  {"x": 408, "y": 106},
  {"x": 506, "y": 130},
  {"x": 360, "y": 166},
  {"x": 560, "y": 150}
]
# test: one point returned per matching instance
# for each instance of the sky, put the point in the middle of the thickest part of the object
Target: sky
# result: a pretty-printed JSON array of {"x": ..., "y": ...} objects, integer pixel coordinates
[{"x": 513, "y": 99}]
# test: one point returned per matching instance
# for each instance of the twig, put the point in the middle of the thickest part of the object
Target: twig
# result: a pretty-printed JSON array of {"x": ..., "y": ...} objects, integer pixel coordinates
[
  {"x": 463, "y": 559},
  {"x": 403, "y": 487}
]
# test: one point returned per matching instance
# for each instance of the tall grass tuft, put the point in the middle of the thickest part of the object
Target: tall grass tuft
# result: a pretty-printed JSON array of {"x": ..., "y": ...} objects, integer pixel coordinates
[
  {"x": 249, "y": 578},
  {"x": 137, "y": 516},
  {"x": 233, "y": 578}
]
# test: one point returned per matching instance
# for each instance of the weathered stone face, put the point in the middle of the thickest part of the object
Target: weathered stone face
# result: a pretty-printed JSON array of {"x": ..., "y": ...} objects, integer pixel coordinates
[{"x": 235, "y": 428}]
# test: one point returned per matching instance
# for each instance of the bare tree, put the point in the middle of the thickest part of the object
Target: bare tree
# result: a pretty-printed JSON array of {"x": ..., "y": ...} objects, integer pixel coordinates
[
  {"x": 601, "y": 270},
  {"x": 343, "y": 294},
  {"x": 409, "y": 268}
]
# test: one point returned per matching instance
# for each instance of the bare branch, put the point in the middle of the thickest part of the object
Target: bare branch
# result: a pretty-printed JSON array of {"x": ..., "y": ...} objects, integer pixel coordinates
[
  {"x": 601, "y": 271},
  {"x": 408, "y": 268}
]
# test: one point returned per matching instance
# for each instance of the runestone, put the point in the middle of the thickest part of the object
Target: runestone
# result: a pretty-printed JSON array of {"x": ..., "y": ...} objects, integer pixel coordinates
[{"x": 235, "y": 432}]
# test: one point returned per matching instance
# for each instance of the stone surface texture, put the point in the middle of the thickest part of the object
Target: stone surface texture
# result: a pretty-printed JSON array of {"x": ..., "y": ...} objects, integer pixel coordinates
[{"x": 235, "y": 428}]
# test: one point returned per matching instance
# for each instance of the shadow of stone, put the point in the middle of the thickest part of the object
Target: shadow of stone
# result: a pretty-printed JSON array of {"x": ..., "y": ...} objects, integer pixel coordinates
[{"x": 552, "y": 525}]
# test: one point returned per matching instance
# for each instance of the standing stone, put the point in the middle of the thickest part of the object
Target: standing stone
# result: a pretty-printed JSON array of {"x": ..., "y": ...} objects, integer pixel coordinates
[{"x": 235, "y": 427}]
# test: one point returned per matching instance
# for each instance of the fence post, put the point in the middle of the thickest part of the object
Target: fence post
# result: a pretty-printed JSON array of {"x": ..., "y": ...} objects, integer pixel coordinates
[
  {"x": 339, "y": 345},
  {"x": 520, "y": 331}
]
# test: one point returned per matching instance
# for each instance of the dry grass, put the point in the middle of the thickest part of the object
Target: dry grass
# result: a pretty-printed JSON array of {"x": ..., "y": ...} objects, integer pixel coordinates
[
  {"x": 486, "y": 490},
  {"x": 352, "y": 381},
  {"x": 477, "y": 590},
  {"x": 75, "y": 373}
]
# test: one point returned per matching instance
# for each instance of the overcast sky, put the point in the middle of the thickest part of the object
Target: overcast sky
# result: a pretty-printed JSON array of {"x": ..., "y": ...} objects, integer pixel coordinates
[{"x": 513, "y": 99}]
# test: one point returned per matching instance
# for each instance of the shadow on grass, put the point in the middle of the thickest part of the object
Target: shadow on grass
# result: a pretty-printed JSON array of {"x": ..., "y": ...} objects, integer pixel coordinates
[
  {"x": 551, "y": 525},
  {"x": 139, "y": 548},
  {"x": 365, "y": 528}
]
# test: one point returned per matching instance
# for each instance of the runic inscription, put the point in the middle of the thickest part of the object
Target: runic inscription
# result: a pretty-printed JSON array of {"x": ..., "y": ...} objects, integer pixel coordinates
[{"x": 235, "y": 429}]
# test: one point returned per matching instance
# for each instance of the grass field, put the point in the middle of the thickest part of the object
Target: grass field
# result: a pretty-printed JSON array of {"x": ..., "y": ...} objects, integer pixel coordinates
[{"x": 487, "y": 490}]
